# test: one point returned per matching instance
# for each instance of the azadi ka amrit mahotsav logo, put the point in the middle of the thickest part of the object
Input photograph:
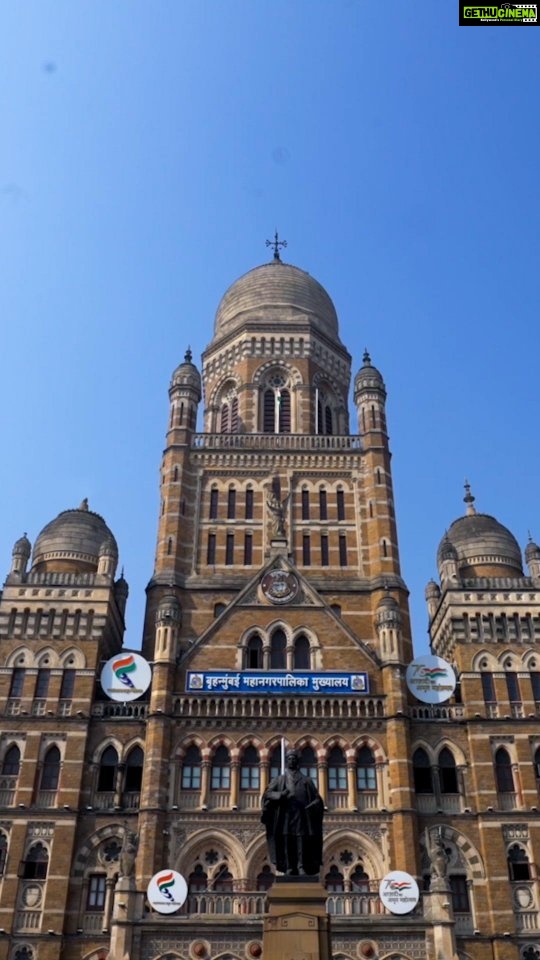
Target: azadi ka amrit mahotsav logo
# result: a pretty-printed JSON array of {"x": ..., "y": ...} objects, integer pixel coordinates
[{"x": 498, "y": 14}]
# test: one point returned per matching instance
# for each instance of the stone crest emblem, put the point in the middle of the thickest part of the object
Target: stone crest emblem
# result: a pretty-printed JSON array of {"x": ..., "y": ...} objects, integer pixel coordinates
[{"x": 280, "y": 586}]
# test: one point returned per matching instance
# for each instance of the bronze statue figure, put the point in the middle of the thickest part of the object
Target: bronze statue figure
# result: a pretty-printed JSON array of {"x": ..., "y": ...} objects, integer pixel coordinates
[{"x": 292, "y": 812}]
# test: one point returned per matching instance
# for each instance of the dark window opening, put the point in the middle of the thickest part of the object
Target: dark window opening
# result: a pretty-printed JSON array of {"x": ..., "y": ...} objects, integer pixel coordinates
[
  {"x": 519, "y": 867},
  {"x": 337, "y": 769},
  {"x": 512, "y": 685},
  {"x": 17, "y": 682},
  {"x": 229, "y": 550},
  {"x": 107, "y": 770},
  {"x": 423, "y": 777},
  {"x": 254, "y": 654},
  {"x": 460, "y": 893},
  {"x": 447, "y": 772},
  {"x": 50, "y": 771},
  {"x": 324, "y": 550},
  {"x": 323, "y": 506},
  {"x": 340, "y": 505},
  {"x": 488, "y": 688},
  {"x": 250, "y": 770},
  {"x": 249, "y": 504},
  {"x": 231, "y": 504},
  {"x": 503, "y": 772},
  {"x": 305, "y": 504},
  {"x": 301, "y": 653},
  {"x": 366, "y": 775},
  {"x": 211, "y": 549},
  {"x": 342, "y": 550},
  {"x": 214, "y": 497},
  {"x": 35, "y": 866},
  {"x": 134, "y": 771},
  {"x": 306, "y": 550},
  {"x": 68, "y": 684},
  {"x": 12, "y": 762},
  {"x": 221, "y": 769},
  {"x": 248, "y": 549},
  {"x": 278, "y": 651}
]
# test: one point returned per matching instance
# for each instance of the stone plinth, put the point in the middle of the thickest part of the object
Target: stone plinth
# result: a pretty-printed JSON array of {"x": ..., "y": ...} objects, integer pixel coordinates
[{"x": 297, "y": 926}]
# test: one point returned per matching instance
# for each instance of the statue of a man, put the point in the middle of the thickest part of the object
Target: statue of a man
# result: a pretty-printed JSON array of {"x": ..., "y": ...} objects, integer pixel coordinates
[{"x": 292, "y": 812}]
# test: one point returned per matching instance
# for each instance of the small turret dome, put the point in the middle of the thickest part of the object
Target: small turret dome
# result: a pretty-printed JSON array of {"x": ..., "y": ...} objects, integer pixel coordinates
[
  {"x": 433, "y": 591},
  {"x": 368, "y": 377},
  {"x": 22, "y": 547},
  {"x": 109, "y": 548},
  {"x": 279, "y": 292},
  {"x": 483, "y": 546},
  {"x": 186, "y": 374},
  {"x": 72, "y": 542},
  {"x": 447, "y": 550},
  {"x": 388, "y": 610},
  {"x": 532, "y": 551}
]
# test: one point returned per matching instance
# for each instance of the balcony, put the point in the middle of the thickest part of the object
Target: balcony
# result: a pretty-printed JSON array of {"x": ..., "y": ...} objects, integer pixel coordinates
[
  {"x": 208, "y": 903},
  {"x": 27, "y": 920},
  {"x": 348, "y": 708},
  {"x": 46, "y": 798},
  {"x": 93, "y": 922},
  {"x": 435, "y": 711},
  {"x": 131, "y": 801},
  {"x": 259, "y": 442},
  {"x": 507, "y": 801},
  {"x": 464, "y": 924},
  {"x": 104, "y": 800},
  {"x": 124, "y": 711}
]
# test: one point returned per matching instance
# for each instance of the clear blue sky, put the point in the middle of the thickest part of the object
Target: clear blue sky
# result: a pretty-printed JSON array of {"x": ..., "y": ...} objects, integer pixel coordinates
[{"x": 150, "y": 148}]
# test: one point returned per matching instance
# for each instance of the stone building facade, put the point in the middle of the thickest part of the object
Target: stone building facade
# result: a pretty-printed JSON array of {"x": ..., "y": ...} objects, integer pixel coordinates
[{"x": 277, "y": 557}]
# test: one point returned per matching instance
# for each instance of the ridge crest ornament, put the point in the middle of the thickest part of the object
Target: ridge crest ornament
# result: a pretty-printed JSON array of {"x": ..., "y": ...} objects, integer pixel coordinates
[{"x": 280, "y": 586}]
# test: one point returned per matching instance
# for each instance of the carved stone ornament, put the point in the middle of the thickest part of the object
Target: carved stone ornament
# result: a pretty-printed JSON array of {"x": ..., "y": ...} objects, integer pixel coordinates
[{"x": 280, "y": 586}]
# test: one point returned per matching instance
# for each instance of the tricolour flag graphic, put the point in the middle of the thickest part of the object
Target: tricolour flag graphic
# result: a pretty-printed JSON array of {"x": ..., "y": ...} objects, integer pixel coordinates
[
  {"x": 435, "y": 673},
  {"x": 165, "y": 881},
  {"x": 400, "y": 884},
  {"x": 122, "y": 668}
]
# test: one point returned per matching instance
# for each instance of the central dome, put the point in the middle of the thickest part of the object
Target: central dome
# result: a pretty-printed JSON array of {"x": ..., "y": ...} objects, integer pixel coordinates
[
  {"x": 275, "y": 291},
  {"x": 73, "y": 540}
]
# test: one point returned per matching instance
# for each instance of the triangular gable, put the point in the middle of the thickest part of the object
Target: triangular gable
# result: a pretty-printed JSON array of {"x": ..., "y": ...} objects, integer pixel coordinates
[{"x": 253, "y": 596}]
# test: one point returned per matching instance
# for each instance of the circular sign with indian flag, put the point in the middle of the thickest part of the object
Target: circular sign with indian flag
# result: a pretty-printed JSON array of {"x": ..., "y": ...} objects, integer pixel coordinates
[
  {"x": 399, "y": 892},
  {"x": 126, "y": 676},
  {"x": 167, "y": 891},
  {"x": 431, "y": 679}
]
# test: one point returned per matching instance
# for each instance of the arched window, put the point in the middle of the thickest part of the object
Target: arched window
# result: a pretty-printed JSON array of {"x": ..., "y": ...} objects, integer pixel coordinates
[
  {"x": 503, "y": 772},
  {"x": 274, "y": 762},
  {"x": 254, "y": 653},
  {"x": 234, "y": 415},
  {"x": 334, "y": 881},
  {"x": 278, "y": 651},
  {"x": 276, "y": 410},
  {"x": 12, "y": 762},
  {"x": 218, "y": 609},
  {"x": 537, "y": 766},
  {"x": 337, "y": 769},
  {"x": 359, "y": 880},
  {"x": 250, "y": 770},
  {"x": 225, "y": 418},
  {"x": 301, "y": 653},
  {"x": 35, "y": 865},
  {"x": 519, "y": 867},
  {"x": 308, "y": 763},
  {"x": 96, "y": 892},
  {"x": 223, "y": 880},
  {"x": 214, "y": 501},
  {"x": 221, "y": 769},
  {"x": 447, "y": 772},
  {"x": 191, "y": 769},
  {"x": 265, "y": 878},
  {"x": 3, "y": 852},
  {"x": 460, "y": 893},
  {"x": 107, "y": 770},
  {"x": 42, "y": 684},
  {"x": 134, "y": 771},
  {"x": 328, "y": 420},
  {"x": 249, "y": 504},
  {"x": 197, "y": 880},
  {"x": 366, "y": 776},
  {"x": 423, "y": 777},
  {"x": 68, "y": 684},
  {"x": 50, "y": 771},
  {"x": 231, "y": 503},
  {"x": 17, "y": 682}
]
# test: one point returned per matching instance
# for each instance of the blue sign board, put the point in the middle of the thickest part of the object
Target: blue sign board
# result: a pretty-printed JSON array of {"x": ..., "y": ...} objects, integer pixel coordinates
[{"x": 275, "y": 682}]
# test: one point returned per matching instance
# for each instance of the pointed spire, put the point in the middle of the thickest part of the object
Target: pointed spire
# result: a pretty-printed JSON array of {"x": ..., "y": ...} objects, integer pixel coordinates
[
  {"x": 188, "y": 356},
  {"x": 366, "y": 358},
  {"x": 468, "y": 499}
]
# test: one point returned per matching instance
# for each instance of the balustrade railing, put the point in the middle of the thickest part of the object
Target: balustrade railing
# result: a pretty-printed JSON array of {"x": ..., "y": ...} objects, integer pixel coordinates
[
  {"x": 125, "y": 711},
  {"x": 352, "y": 904},
  {"x": 276, "y": 441},
  {"x": 507, "y": 801},
  {"x": 93, "y": 922},
  {"x": 104, "y": 800},
  {"x": 433, "y": 711},
  {"x": 46, "y": 798},
  {"x": 348, "y": 708},
  {"x": 131, "y": 801},
  {"x": 27, "y": 920},
  {"x": 8, "y": 786}
]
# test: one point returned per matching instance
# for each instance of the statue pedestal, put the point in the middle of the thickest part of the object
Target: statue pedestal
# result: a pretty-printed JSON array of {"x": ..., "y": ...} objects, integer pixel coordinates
[
  {"x": 278, "y": 547},
  {"x": 296, "y": 926}
]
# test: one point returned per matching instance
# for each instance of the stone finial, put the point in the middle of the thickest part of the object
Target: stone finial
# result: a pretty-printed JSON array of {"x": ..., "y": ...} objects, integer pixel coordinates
[
  {"x": 188, "y": 356},
  {"x": 468, "y": 499},
  {"x": 366, "y": 358},
  {"x": 84, "y": 504}
]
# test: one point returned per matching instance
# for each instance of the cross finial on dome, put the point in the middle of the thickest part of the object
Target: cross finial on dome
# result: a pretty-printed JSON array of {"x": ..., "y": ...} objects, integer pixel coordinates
[
  {"x": 276, "y": 243},
  {"x": 469, "y": 500},
  {"x": 188, "y": 356}
]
